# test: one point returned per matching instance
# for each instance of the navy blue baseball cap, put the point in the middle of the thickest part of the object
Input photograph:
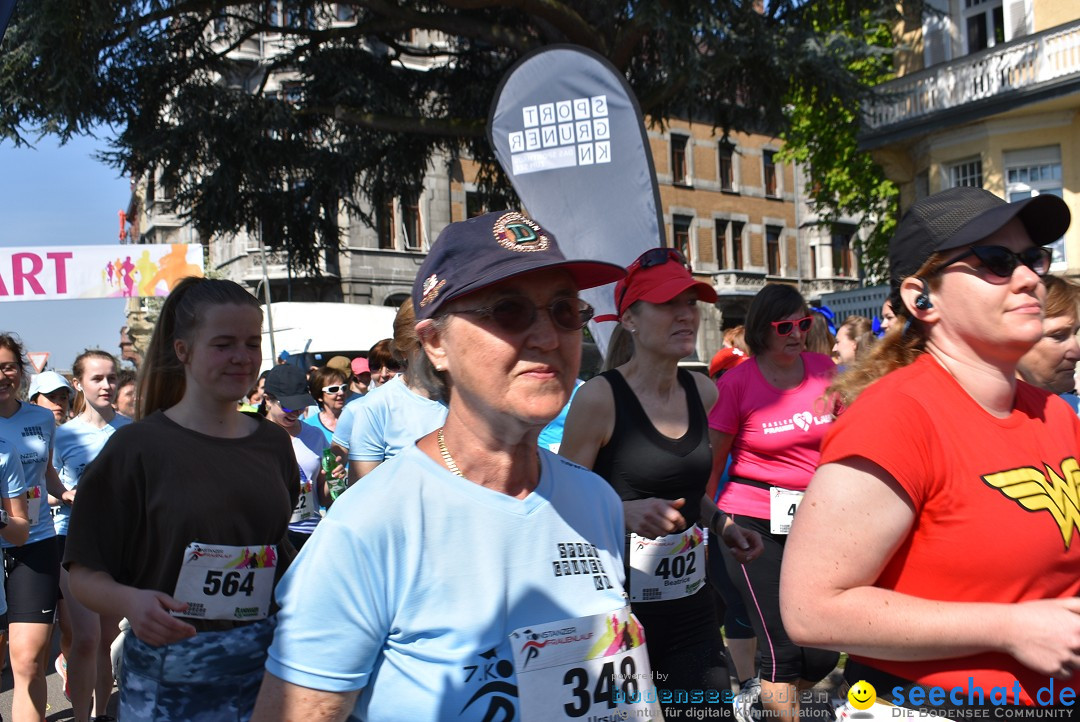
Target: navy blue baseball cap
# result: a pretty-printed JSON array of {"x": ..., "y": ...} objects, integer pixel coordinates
[{"x": 474, "y": 254}]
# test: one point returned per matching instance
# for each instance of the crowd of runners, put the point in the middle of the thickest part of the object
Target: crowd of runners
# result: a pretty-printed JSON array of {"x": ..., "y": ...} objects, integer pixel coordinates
[{"x": 700, "y": 545}]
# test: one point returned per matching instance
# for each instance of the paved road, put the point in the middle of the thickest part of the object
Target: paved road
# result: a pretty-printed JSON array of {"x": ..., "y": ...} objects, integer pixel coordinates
[{"x": 59, "y": 708}]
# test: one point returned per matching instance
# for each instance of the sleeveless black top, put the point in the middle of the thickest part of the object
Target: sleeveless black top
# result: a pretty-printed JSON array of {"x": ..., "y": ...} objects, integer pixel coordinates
[{"x": 641, "y": 463}]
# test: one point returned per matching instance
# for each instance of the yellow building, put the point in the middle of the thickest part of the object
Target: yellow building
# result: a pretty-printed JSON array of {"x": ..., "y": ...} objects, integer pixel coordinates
[{"x": 987, "y": 94}]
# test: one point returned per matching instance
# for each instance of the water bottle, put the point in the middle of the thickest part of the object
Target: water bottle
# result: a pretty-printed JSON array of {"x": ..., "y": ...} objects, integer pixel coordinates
[{"x": 329, "y": 463}]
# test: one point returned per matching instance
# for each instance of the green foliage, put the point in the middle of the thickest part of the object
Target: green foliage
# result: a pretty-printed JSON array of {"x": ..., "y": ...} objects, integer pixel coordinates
[
  {"x": 369, "y": 100},
  {"x": 821, "y": 134}
]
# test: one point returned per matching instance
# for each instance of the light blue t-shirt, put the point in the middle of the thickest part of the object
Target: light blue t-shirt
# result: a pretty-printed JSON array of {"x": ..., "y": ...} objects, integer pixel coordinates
[
  {"x": 31, "y": 430},
  {"x": 551, "y": 435},
  {"x": 420, "y": 576},
  {"x": 12, "y": 485},
  {"x": 77, "y": 444},
  {"x": 343, "y": 433},
  {"x": 315, "y": 422},
  {"x": 391, "y": 418}
]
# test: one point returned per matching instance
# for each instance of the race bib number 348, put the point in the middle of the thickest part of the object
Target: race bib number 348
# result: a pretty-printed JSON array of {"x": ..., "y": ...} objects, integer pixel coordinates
[
  {"x": 226, "y": 582},
  {"x": 591, "y": 668}
]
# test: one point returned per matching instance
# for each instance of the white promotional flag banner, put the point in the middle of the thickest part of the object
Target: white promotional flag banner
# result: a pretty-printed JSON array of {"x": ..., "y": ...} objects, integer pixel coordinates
[
  {"x": 567, "y": 130},
  {"x": 56, "y": 273}
]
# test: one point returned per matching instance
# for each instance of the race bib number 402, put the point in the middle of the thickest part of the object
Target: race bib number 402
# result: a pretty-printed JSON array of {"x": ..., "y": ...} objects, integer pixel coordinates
[
  {"x": 669, "y": 567},
  {"x": 590, "y": 668},
  {"x": 226, "y": 582}
]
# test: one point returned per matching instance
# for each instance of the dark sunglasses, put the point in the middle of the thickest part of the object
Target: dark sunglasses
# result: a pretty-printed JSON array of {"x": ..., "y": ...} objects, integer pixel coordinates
[
  {"x": 650, "y": 259},
  {"x": 284, "y": 408},
  {"x": 388, "y": 366},
  {"x": 1001, "y": 261},
  {"x": 516, "y": 314},
  {"x": 784, "y": 328},
  {"x": 334, "y": 389}
]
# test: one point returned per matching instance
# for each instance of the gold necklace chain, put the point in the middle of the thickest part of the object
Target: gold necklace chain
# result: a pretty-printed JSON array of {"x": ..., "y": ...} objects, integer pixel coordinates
[{"x": 445, "y": 452}]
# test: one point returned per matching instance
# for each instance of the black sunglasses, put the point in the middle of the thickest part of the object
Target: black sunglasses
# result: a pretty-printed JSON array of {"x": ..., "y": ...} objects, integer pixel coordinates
[
  {"x": 784, "y": 328},
  {"x": 1001, "y": 261},
  {"x": 516, "y": 314},
  {"x": 284, "y": 408},
  {"x": 649, "y": 259}
]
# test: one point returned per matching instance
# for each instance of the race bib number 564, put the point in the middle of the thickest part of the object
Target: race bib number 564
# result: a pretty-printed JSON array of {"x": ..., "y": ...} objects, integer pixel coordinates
[{"x": 226, "y": 582}]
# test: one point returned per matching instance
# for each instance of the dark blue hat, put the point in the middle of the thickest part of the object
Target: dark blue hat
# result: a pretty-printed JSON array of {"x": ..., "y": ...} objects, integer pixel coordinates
[
  {"x": 288, "y": 384},
  {"x": 477, "y": 253}
]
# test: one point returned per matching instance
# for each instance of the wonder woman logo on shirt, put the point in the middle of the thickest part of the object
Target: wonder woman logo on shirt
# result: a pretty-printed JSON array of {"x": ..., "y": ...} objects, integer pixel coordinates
[{"x": 1035, "y": 491}]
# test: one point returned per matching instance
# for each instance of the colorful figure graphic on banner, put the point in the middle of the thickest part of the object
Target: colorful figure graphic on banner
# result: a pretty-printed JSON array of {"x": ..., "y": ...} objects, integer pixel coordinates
[
  {"x": 129, "y": 280},
  {"x": 147, "y": 270},
  {"x": 174, "y": 266}
]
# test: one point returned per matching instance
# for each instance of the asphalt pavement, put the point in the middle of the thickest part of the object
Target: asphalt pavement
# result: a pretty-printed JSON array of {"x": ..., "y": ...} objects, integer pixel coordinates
[{"x": 59, "y": 708}]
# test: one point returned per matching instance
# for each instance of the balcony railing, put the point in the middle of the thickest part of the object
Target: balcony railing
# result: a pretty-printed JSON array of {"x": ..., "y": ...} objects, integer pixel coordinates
[
  {"x": 738, "y": 282},
  {"x": 816, "y": 287},
  {"x": 1022, "y": 64}
]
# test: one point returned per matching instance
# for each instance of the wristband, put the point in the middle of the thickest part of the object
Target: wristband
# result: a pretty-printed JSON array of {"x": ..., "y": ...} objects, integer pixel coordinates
[{"x": 712, "y": 522}]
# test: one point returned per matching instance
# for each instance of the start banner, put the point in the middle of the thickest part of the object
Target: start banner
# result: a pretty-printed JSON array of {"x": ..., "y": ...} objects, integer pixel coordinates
[{"x": 56, "y": 273}]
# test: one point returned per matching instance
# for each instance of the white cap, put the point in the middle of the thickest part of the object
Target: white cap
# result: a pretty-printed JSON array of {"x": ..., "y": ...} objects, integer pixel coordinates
[{"x": 48, "y": 381}]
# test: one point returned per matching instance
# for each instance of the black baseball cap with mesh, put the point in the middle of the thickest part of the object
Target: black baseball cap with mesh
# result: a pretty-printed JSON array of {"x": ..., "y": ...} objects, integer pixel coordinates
[{"x": 964, "y": 216}]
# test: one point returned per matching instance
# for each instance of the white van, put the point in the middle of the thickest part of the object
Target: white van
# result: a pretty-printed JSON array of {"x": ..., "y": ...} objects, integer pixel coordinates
[{"x": 313, "y": 333}]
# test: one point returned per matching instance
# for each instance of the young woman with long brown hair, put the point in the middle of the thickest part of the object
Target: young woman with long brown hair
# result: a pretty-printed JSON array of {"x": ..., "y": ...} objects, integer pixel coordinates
[{"x": 181, "y": 521}]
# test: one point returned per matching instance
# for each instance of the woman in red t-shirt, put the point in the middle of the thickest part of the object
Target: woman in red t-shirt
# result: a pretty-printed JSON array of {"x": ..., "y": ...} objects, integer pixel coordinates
[{"x": 932, "y": 544}]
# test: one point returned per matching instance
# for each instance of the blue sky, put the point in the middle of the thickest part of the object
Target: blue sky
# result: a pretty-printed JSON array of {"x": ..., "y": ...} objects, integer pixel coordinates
[{"x": 50, "y": 196}]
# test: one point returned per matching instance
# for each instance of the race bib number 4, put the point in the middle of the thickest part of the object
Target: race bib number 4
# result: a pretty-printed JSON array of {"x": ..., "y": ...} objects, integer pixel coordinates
[
  {"x": 670, "y": 567},
  {"x": 783, "y": 503},
  {"x": 226, "y": 582},
  {"x": 33, "y": 504},
  {"x": 591, "y": 668}
]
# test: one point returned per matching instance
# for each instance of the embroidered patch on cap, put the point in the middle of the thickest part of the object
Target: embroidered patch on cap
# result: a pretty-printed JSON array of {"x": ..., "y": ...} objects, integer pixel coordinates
[
  {"x": 515, "y": 232},
  {"x": 431, "y": 288}
]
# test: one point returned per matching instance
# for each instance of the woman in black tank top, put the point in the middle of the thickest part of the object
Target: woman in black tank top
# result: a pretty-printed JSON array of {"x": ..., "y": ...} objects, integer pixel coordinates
[{"x": 642, "y": 425}]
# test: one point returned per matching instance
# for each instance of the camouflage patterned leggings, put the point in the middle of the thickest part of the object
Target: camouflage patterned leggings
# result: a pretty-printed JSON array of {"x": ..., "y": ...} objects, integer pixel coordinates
[{"x": 212, "y": 676}]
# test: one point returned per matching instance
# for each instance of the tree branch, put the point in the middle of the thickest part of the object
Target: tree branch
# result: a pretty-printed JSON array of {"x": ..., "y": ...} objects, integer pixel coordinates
[
  {"x": 437, "y": 127},
  {"x": 566, "y": 19},
  {"x": 627, "y": 42}
]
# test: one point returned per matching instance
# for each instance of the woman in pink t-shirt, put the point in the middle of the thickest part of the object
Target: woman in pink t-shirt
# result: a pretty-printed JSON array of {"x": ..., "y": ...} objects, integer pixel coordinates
[{"x": 771, "y": 417}]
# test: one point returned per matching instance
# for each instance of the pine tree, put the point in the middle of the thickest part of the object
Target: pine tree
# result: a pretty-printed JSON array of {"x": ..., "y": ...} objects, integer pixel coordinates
[{"x": 373, "y": 97}]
